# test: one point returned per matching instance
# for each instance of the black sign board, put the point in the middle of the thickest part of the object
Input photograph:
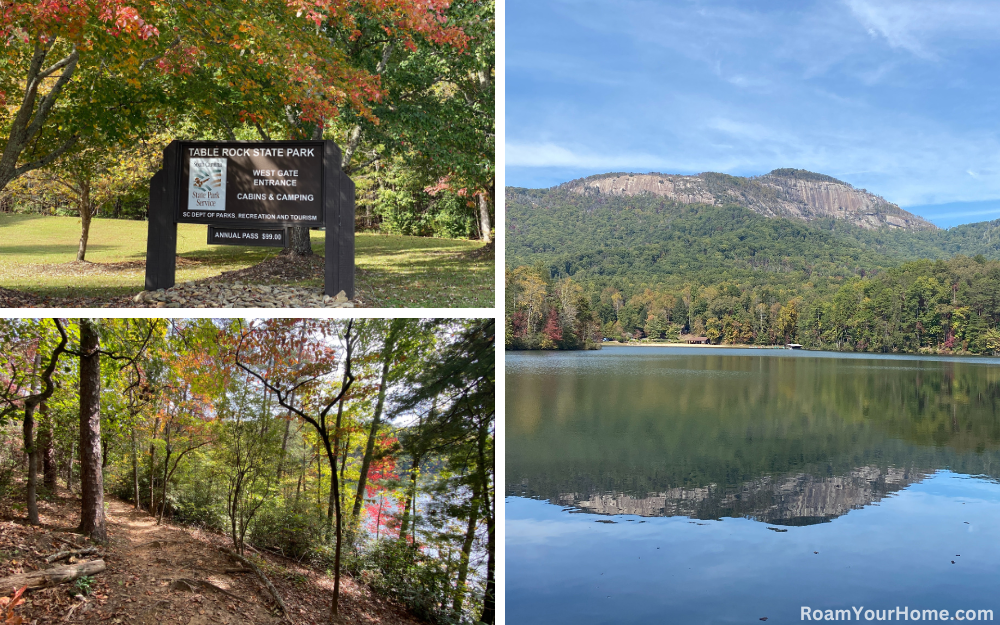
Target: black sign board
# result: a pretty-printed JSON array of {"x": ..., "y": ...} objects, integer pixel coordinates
[
  {"x": 251, "y": 186},
  {"x": 222, "y": 235}
]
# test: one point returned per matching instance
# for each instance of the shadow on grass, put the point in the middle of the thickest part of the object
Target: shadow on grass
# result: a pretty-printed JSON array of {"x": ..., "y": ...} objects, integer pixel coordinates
[
  {"x": 104, "y": 292},
  {"x": 12, "y": 220},
  {"x": 428, "y": 267},
  {"x": 54, "y": 248},
  {"x": 415, "y": 245}
]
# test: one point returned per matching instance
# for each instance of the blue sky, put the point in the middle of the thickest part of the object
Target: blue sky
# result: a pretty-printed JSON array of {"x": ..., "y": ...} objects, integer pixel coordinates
[{"x": 900, "y": 97}]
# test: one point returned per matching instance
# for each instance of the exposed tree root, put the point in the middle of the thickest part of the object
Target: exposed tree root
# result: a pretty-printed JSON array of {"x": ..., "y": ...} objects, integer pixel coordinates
[{"x": 263, "y": 578}]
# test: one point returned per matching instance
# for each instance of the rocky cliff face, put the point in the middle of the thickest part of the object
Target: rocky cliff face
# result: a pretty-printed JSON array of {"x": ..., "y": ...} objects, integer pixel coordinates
[{"x": 791, "y": 193}]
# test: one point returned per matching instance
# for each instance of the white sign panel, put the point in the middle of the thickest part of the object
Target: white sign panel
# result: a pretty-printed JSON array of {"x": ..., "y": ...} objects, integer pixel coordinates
[{"x": 207, "y": 184}]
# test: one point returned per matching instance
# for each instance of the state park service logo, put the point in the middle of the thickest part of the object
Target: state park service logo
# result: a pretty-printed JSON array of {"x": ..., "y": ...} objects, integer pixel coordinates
[{"x": 207, "y": 184}]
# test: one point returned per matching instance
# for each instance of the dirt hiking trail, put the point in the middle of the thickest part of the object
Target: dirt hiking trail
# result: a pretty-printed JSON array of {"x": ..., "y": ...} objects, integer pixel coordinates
[{"x": 169, "y": 574}]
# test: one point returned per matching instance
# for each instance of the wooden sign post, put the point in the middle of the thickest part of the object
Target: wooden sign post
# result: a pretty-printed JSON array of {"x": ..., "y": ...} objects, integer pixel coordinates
[{"x": 249, "y": 193}]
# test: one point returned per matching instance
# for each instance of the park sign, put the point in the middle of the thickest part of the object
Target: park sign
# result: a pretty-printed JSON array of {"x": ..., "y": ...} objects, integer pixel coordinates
[
  {"x": 248, "y": 193},
  {"x": 264, "y": 184}
]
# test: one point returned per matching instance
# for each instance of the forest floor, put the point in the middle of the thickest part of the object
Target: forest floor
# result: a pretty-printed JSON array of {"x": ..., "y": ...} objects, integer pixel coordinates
[
  {"x": 38, "y": 266},
  {"x": 155, "y": 574}
]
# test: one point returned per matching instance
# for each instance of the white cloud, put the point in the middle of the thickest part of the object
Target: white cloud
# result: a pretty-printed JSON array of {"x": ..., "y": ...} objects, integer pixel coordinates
[
  {"x": 950, "y": 214},
  {"x": 917, "y": 25}
]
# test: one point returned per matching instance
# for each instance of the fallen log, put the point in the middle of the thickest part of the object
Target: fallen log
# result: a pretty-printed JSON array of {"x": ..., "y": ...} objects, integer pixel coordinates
[
  {"x": 263, "y": 578},
  {"x": 51, "y": 577},
  {"x": 55, "y": 557}
]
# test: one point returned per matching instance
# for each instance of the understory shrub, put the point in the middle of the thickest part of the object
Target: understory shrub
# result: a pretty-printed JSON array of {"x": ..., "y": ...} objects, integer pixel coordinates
[
  {"x": 294, "y": 533},
  {"x": 404, "y": 571}
]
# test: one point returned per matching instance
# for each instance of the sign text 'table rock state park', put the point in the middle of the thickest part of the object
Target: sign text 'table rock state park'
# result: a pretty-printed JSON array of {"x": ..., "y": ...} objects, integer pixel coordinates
[{"x": 252, "y": 186}]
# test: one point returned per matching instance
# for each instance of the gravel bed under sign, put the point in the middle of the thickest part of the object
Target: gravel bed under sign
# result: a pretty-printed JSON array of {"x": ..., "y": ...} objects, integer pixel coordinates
[{"x": 238, "y": 295}]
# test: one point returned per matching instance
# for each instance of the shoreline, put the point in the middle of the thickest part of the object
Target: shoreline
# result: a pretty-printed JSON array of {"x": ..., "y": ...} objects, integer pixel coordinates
[
  {"x": 955, "y": 357},
  {"x": 702, "y": 345}
]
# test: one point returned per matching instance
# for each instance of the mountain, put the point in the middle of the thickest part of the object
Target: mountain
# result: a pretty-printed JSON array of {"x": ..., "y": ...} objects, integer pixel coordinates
[
  {"x": 788, "y": 193},
  {"x": 632, "y": 224},
  {"x": 803, "y": 257},
  {"x": 655, "y": 240}
]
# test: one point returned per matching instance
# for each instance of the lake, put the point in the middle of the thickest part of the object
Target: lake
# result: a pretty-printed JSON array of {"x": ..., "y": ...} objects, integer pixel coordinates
[{"x": 694, "y": 485}]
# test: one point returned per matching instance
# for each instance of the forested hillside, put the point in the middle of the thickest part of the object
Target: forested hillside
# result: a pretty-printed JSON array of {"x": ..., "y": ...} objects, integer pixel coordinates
[{"x": 643, "y": 266}]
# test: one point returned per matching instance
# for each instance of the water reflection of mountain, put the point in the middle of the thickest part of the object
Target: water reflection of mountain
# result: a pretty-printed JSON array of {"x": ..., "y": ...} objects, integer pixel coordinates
[
  {"x": 800, "y": 499},
  {"x": 782, "y": 440}
]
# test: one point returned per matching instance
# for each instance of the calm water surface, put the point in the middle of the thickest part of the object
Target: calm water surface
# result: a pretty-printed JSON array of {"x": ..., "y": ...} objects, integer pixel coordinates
[{"x": 673, "y": 485}]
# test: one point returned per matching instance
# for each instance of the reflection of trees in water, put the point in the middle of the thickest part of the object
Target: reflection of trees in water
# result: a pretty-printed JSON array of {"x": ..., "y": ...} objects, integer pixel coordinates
[{"x": 753, "y": 436}]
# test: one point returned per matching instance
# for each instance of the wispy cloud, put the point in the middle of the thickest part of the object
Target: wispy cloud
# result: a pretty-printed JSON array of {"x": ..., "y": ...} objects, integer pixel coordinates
[
  {"x": 554, "y": 155},
  {"x": 948, "y": 214},
  {"x": 917, "y": 25}
]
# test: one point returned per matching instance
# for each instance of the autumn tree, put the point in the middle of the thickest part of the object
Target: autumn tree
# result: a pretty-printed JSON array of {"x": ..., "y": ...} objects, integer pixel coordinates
[
  {"x": 273, "y": 65},
  {"x": 249, "y": 441},
  {"x": 387, "y": 357},
  {"x": 437, "y": 117},
  {"x": 26, "y": 384},
  {"x": 94, "y": 175},
  {"x": 264, "y": 350},
  {"x": 79, "y": 64}
]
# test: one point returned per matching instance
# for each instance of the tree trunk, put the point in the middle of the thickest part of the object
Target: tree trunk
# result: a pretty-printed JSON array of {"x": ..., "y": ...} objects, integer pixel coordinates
[
  {"x": 463, "y": 566},
  {"x": 163, "y": 486},
  {"x": 86, "y": 214},
  {"x": 411, "y": 495},
  {"x": 69, "y": 466},
  {"x": 485, "y": 223},
  {"x": 29, "y": 446},
  {"x": 92, "y": 521},
  {"x": 335, "y": 486},
  {"x": 333, "y": 507},
  {"x": 32, "y": 453},
  {"x": 300, "y": 245},
  {"x": 387, "y": 355},
  {"x": 319, "y": 485},
  {"x": 152, "y": 466},
  {"x": 343, "y": 466},
  {"x": 488, "y": 615},
  {"x": 135, "y": 471},
  {"x": 284, "y": 448},
  {"x": 48, "y": 448}
]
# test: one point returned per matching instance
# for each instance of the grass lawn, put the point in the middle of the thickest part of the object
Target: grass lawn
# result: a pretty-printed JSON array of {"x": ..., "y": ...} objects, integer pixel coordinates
[{"x": 37, "y": 254}]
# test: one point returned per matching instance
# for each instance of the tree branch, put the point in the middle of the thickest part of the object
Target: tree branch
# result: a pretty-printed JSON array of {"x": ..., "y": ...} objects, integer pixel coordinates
[
  {"x": 48, "y": 158},
  {"x": 156, "y": 58}
]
